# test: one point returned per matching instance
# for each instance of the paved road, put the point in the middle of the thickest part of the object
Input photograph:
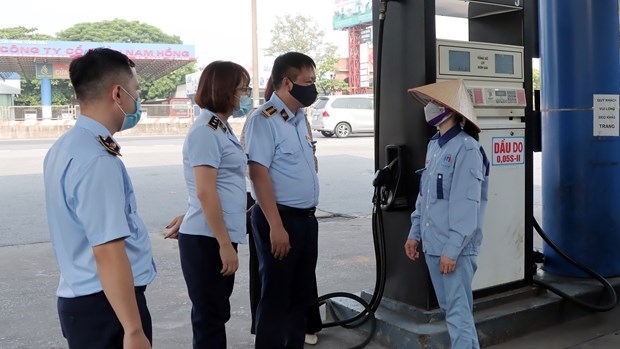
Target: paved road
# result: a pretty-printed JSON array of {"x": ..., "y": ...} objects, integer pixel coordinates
[
  {"x": 155, "y": 166},
  {"x": 28, "y": 272}
]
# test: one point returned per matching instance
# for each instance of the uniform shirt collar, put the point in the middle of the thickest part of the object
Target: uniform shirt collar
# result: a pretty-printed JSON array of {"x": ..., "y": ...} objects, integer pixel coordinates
[
  {"x": 279, "y": 105},
  {"x": 446, "y": 137},
  {"x": 91, "y": 125}
]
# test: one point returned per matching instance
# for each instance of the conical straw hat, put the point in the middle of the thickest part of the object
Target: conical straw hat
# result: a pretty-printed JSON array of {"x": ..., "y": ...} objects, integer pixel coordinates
[{"x": 452, "y": 94}]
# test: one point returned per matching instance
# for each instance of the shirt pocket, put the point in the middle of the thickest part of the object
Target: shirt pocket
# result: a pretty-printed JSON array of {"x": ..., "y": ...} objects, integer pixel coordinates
[
  {"x": 474, "y": 190},
  {"x": 289, "y": 153},
  {"x": 443, "y": 184}
]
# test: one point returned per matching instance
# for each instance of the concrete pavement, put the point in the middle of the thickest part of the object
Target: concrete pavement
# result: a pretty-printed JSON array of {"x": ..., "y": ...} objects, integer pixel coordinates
[
  {"x": 28, "y": 278},
  {"x": 346, "y": 263}
]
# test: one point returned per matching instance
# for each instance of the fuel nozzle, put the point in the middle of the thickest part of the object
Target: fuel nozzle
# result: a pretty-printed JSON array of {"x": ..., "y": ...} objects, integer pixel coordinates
[{"x": 384, "y": 177}]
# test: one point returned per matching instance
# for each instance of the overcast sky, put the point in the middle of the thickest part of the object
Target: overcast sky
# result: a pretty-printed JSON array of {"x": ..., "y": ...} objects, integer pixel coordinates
[{"x": 217, "y": 29}]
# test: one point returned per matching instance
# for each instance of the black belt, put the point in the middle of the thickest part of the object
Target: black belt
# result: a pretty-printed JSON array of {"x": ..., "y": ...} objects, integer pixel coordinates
[
  {"x": 305, "y": 212},
  {"x": 138, "y": 289}
]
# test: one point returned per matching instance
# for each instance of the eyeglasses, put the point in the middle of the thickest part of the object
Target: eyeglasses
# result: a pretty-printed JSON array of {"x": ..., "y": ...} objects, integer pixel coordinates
[{"x": 246, "y": 90}]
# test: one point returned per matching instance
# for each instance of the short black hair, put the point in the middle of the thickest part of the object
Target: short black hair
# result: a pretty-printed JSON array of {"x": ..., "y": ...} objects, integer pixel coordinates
[
  {"x": 289, "y": 65},
  {"x": 92, "y": 73}
]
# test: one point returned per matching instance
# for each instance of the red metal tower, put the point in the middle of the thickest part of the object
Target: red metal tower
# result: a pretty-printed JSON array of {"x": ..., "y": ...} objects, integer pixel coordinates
[{"x": 355, "y": 39}]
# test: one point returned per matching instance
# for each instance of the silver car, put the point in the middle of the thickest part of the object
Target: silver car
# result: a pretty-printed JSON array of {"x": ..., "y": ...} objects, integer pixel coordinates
[{"x": 342, "y": 115}]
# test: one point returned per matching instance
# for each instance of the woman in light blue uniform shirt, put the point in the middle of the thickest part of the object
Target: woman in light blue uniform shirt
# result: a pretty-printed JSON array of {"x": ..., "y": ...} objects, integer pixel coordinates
[
  {"x": 450, "y": 207},
  {"x": 214, "y": 166}
]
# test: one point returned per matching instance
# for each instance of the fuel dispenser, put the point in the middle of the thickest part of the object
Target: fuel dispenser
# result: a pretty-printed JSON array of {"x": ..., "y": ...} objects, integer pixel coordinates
[
  {"x": 496, "y": 65},
  {"x": 493, "y": 74}
]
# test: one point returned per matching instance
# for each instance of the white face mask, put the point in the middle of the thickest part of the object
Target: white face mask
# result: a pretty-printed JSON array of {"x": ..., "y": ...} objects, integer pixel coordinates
[{"x": 436, "y": 114}]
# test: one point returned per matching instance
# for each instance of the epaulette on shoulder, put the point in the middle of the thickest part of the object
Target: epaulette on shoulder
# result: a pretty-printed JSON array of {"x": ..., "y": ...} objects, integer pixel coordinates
[
  {"x": 110, "y": 145},
  {"x": 470, "y": 143},
  {"x": 269, "y": 111},
  {"x": 214, "y": 122}
]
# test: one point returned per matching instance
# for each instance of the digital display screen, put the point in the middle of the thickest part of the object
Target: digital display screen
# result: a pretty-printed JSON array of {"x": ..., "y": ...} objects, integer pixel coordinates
[
  {"x": 500, "y": 93},
  {"x": 459, "y": 60},
  {"x": 504, "y": 64}
]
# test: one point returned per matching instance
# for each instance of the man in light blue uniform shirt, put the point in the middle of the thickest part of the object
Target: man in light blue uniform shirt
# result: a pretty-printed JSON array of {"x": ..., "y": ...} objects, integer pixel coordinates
[
  {"x": 450, "y": 207},
  {"x": 101, "y": 245},
  {"x": 292, "y": 162},
  {"x": 100, "y": 207},
  {"x": 285, "y": 183}
]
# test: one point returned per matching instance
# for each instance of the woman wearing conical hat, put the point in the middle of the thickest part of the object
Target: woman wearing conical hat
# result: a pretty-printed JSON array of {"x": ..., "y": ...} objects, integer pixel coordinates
[{"x": 450, "y": 206}]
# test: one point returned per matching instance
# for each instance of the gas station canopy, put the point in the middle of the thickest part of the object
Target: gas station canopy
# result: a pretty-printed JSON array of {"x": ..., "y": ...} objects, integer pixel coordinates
[{"x": 50, "y": 59}]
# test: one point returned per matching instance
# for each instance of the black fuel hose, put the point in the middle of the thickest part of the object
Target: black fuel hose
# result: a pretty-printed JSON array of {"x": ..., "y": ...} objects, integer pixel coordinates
[
  {"x": 608, "y": 288},
  {"x": 378, "y": 234}
]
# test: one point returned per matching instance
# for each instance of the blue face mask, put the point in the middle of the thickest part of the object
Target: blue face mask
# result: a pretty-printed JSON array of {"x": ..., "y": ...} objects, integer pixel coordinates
[
  {"x": 245, "y": 104},
  {"x": 132, "y": 119}
]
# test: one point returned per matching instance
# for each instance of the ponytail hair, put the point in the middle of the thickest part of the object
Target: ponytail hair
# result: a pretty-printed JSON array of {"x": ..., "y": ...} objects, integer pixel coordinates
[{"x": 471, "y": 130}]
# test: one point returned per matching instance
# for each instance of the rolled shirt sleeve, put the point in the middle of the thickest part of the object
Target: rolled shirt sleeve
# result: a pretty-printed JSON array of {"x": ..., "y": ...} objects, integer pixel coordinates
[{"x": 414, "y": 232}]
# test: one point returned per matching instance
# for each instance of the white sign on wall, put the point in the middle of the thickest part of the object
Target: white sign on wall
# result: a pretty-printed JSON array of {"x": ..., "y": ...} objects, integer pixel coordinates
[
  {"x": 508, "y": 150},
  {"x": 191, "y": 83},
  {"x": 364, "y": 73},
  {"x": 605, "y": 115}
]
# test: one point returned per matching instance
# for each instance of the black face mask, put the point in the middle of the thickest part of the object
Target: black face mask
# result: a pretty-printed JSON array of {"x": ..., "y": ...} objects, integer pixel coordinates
[{"x": 306, "y": 95}]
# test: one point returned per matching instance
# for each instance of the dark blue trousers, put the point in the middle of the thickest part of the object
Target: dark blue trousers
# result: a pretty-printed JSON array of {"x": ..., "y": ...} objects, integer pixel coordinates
[
  {"x": 90, "y": 322},
  {"x": 286, "y": 285},
  {"x": 208, "y": 290},
  {"x": 314, "y": 323}
]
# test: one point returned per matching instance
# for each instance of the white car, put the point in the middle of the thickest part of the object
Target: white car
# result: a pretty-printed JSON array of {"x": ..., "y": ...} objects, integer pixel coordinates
[{"x": 342, "y": 115}]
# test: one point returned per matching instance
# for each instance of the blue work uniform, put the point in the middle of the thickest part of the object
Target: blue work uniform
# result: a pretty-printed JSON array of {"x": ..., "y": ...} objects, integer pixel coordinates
[
  {"x": 278, "y": 139},
  {"x": 90, "y": 201},
  {"x": 211, "y": 142},
  {"x": 448, "y": 219}
]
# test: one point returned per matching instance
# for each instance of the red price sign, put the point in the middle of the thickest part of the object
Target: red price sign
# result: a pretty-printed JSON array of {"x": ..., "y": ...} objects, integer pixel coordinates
[{"x": 508, "y": 151}]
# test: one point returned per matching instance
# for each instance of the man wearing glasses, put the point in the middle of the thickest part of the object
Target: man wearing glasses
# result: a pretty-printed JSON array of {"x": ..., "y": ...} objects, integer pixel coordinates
[{"x": 286, "y": 188}]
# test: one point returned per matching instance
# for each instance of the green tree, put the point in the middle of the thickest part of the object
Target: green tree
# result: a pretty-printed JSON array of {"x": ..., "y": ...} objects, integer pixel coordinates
[
  {"x": 119, "y": 30},
  {"x": 31, "y": 88},
  {"x": 116, "y": 30},
  {"x": 536, "y": 79},
  {"x": 22, "y": 33},
  {"x": 299, "y": 33},
  {"x": 31, "y": 92}
]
